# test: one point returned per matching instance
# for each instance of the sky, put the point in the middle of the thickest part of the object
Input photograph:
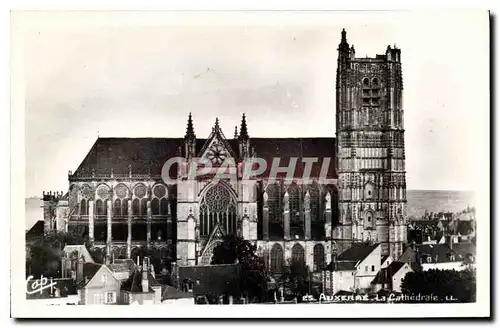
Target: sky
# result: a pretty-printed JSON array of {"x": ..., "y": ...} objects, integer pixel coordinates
[{"x": 117, "y": 75}]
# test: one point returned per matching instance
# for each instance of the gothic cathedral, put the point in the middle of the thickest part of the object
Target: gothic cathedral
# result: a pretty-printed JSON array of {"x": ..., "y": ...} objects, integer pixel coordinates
[{"x": 119, "y": 198}]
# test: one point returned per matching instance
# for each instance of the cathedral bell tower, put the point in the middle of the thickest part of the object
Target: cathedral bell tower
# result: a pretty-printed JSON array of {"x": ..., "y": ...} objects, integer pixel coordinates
[{"x": 370, "y": 148}]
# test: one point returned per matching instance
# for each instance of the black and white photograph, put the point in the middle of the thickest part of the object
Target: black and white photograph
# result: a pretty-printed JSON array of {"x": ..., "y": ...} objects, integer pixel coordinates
[{"x": 296, "y": 164}]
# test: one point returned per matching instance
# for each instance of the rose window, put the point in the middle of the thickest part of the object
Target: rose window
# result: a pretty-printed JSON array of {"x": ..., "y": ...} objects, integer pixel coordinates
[{"x": 216, "y": 154}]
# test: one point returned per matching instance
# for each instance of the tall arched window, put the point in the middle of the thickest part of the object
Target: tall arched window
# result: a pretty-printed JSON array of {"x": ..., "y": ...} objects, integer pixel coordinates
[
  {"x": 120, "y": 204},
  {"x": 276, "y": 259},
  {"x": 159, "y": 203},
  {"x": 155, "y": 206},
  {"x": 139, "y": 204},
  {"x": 124, "y": 206},
  {"x": 294, "y": 201},
  {"x": 298, "y": 257},
  {"x": 274, "y": 199},
  {"x": 218, "y": 206},
  {"x": 144, "y": 206},
  {"x": 315, "y": 203},
  {"x": 296, "y": 219},
  {"x": 319, "y": 257},
  {"x": 100, "y": 207},
  {"x": 274, "y": 203},
  {"x": 117, "y": 208},
  {"x": 135, "y": 206},
  {"x": 102, "y": 196},
  {"x": 84, "y": 209}
]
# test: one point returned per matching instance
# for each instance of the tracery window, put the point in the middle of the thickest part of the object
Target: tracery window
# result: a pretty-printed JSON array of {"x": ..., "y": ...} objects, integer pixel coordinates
[
  {"x": 159, "y": 203},
  {"x": 218, "y": 206},
  {"x": 276, "y": 259},
  {"x": 102, "y": 196},
  {"x": 140, "y": 202},
  {"x": 120, "y": 207},
  {"x": 294, "y": 201},
  {"x": 101, "y": 208},
  {"x": 315, "y": 203},
  {"x": 319, "y": 257},
  {"x": 274, "y": 203}
]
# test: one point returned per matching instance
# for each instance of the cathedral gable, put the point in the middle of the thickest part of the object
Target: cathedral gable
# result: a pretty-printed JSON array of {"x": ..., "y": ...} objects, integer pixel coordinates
[{"x": 216, "y": 148}]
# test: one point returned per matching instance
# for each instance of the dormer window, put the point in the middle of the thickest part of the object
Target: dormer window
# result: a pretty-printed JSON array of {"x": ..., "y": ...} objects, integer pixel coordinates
[
  {"x": 452, "y": 257},
  {"x": 429, "y": 259}
]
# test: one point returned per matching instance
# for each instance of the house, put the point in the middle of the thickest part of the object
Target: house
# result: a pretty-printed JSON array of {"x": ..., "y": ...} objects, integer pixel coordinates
[
  {"x": 391, "y": 277},
  {"x": 141, "y": 287},
  {"x": 449, "y": 256},
  {"x": 96, "y": 284},
  {"x": 354, "y": 269},
  {"x": 209, "y": 282},
  {"x": 58, "y": 292}
]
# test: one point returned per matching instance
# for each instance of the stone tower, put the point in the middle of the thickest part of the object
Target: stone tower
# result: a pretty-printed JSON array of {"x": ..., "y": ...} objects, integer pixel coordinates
[{"x": 370, "y": 145}]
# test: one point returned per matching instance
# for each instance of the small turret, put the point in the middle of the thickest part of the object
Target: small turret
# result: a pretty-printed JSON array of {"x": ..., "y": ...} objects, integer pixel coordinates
[
  {"x": 244, "y": 139},
  {"x": 190, "y": 138}
]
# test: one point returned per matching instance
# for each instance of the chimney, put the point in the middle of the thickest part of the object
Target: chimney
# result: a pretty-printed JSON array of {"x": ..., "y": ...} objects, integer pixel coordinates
[
  {"x": 450, "y": 241},
  {"x": 79, "y": 268},
  {"x": 145, "y": 282}
]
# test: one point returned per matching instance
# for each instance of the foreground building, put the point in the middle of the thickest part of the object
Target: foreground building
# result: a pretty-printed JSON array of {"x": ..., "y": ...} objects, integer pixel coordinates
[{"x": 120, "y": 198}]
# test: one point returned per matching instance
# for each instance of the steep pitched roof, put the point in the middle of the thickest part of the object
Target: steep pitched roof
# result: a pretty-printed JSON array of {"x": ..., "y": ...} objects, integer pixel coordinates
[
  {"x": 385, "y": 257},
  {"x": 148, "y": 155},
  {"x": 437, "y": 252},
  {"x": 341, "y": 266},
  {"x": 287, "y": 148},
  {"x": 35, "y": 231},
  {"x": 144, "y": 155},
  {"x": 89, "y": 271},
  {"x": 134, "y": 283},
  {"x": 384, "y": 276},
  {"x": 357, "y": 252}
]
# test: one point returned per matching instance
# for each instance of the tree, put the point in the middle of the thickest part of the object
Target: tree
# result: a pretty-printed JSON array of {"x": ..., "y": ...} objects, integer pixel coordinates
[
  {"x": 46, "y": 252},
  {"x": 295, "y": 279},
  {"x": 461, "y": 285},
  {"x": 253, "y": 272}
]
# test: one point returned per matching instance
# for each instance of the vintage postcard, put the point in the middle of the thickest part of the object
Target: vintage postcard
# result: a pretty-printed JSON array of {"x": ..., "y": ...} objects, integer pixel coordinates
[{"x": 291, "y": 164}]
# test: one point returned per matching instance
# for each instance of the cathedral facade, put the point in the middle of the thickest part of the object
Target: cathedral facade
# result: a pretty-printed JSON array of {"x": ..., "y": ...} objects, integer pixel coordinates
[{"x": 309, "y": 200}]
